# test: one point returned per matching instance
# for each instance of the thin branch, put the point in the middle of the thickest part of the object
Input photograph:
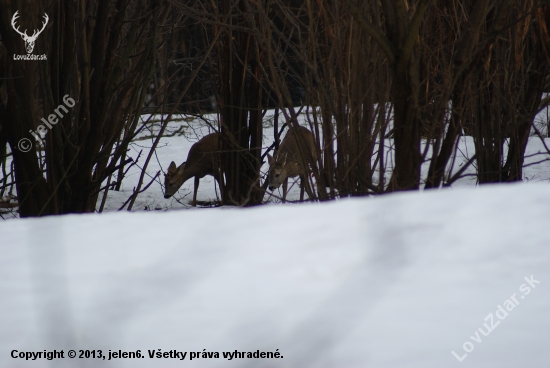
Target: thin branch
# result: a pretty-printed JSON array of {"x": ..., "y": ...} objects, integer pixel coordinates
[
  {"x": 375, "y": 32},
  {"x": 135, "y": 193}
]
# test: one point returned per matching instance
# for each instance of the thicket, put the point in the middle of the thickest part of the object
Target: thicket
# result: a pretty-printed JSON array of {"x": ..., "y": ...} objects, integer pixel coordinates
[{"x": 386, "y": 85}]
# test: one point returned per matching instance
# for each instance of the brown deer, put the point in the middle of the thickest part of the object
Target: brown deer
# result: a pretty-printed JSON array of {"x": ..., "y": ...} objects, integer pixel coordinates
[
  {"x": 289, "y": 163},
  {"x": 202, "y": 160}
]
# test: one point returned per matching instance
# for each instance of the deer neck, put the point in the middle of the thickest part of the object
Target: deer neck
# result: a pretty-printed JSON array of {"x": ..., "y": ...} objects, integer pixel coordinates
[{"x": 188, "y": 172}]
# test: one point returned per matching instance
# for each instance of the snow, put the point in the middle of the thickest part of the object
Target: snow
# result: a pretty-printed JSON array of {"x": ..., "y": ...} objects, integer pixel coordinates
[{"x": 399, "y": 280}]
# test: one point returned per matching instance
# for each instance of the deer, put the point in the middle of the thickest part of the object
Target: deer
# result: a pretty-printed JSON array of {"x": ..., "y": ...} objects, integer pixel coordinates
[
  {"x": 202, "y": 160},
  {"x": 290, "y": 163},
  {"x": 29, "y": 40}
]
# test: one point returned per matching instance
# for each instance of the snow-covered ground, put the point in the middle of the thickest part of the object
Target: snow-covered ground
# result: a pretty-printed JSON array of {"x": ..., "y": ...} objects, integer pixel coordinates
[
  {"x": 401, "y": 280},
  {"x": 184, "y": 131},
  {"x": 176, "y": 147}
]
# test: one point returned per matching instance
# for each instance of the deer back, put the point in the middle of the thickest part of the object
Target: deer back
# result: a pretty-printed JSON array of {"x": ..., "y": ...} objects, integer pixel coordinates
[{"x": 203, "y": 156}]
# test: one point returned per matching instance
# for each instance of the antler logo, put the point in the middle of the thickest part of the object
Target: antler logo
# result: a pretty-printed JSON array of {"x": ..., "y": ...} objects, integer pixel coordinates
[{"x": 29, "y": 40}]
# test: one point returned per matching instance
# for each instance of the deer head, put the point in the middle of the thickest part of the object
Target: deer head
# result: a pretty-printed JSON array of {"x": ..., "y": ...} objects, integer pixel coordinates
[
  {"x": 173, "y": 179},
  {"x": 277, "y": 171},
  {"x": 29, "y": 40}
]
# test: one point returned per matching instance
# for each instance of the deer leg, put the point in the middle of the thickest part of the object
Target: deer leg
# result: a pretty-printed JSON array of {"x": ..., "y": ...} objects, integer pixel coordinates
[
  {"x": 309, "y": 189},
  {"x": 220, "y": 188},
  {"x": 221, "y": 183},
  {"x": 194, "y": 203},
  {"x": 285, "y": 187},
  {"x": 219, "y": 177},
  {"x": 302, "y": 183},
  {"x": 216, "y": 177}
]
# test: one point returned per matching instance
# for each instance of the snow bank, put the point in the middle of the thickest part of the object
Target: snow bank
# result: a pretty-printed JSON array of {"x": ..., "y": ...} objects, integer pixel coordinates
[{"x": 396, "y": 281}]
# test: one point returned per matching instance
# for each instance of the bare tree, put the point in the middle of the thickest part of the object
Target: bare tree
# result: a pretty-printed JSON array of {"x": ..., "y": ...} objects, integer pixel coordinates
[{"x": 101, "y": 55}]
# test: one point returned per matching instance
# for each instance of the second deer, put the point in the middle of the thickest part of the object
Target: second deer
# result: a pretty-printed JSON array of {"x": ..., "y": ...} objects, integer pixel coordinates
[
  {"x": 202, "y": 160},
  {"x": 289, "y": 162}
]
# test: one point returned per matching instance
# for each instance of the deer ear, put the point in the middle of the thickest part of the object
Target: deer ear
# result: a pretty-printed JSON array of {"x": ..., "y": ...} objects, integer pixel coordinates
[
  {"x": 181, "y": 168},
  {"x": 270, "y": 160},
  {"x": 172, "y": 167}
]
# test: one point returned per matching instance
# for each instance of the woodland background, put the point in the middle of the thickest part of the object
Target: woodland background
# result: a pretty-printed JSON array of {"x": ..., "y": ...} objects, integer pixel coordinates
[{"x": 420, "y": 73}]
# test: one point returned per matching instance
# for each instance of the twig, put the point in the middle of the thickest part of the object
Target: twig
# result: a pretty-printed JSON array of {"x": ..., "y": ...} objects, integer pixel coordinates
[
  {"x": 458, "y": 174},
  {"x": 135, "y": 194}
]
